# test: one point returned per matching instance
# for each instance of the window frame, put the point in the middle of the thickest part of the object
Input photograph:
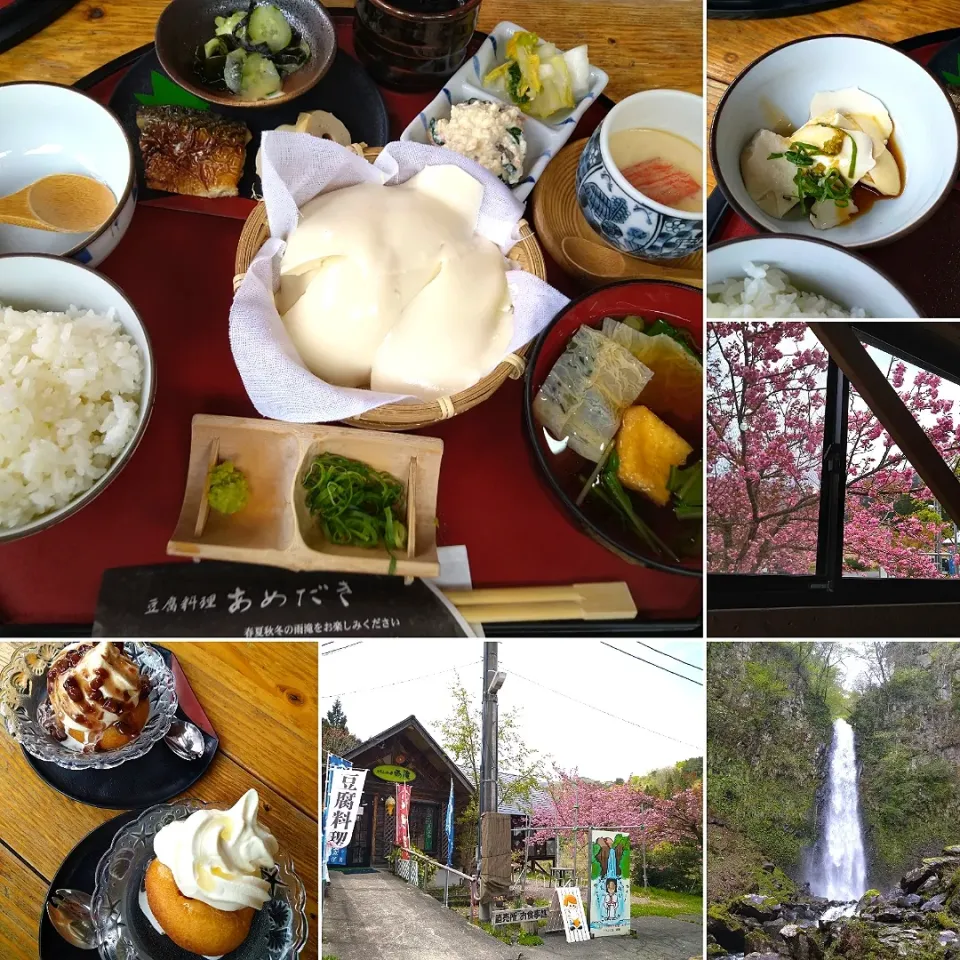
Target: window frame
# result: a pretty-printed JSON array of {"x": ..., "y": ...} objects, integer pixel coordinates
[{"x": 913, "y": 344}]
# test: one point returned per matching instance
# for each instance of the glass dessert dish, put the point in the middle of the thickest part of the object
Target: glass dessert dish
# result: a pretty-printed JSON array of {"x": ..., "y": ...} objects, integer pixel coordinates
[
  {"x": 278, "y": 931},
  {"x": 90, "y": 676}
]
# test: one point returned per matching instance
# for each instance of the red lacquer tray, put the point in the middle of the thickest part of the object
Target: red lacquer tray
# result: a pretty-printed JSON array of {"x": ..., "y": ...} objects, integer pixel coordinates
[
  {"x": 177, "y": 268},
  {"x": 926, "y": 263}
]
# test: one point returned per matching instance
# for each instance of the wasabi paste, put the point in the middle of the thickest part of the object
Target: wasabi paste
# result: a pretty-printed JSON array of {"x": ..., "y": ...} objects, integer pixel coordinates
[{"x": 227, "y": 488}]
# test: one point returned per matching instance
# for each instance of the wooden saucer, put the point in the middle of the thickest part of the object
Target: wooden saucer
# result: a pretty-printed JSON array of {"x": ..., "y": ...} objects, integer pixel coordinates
[{"x": 577, "y": 248}]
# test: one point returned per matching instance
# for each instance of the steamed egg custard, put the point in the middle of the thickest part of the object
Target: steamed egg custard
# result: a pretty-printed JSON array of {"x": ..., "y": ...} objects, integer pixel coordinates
[
  {"x": 390, "y": 287},
  {"x": 834, "y": 167}
]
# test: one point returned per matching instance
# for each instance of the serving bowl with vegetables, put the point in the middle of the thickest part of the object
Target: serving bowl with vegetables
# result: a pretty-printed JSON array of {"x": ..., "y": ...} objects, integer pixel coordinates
[
  {"x": 512, "y": 106},
  {"x": 246, "y": 53},
  {"x": 613, "y": 407}
]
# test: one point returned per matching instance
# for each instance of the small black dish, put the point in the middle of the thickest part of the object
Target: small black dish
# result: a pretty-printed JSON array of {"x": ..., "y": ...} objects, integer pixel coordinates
[
  {"x": 945, "y": 66},
  {"x": 414, "y": 45},
  {"x": 186, "y": 24},
  {"x": 78, "y": 872},
  {"x": 768, "y": 9},
  {"x": 346, "y": 91},
  {"x": 155, "y": 778}
]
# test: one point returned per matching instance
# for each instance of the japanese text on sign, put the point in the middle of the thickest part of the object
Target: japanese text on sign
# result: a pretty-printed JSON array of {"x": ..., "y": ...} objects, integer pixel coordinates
[
  {"x": 346, "y": 788},
  {"x": 521, "y": 915}
]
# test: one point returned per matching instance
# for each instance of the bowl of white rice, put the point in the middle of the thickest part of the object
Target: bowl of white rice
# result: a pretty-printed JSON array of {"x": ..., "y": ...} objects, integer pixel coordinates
[
  {"x": 76, "y": 388},
  {"x": 774, "y": 277}
]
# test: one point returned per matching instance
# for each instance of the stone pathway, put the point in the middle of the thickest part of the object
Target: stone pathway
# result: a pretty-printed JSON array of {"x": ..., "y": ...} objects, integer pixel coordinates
[{"x": 377, "y": 916}]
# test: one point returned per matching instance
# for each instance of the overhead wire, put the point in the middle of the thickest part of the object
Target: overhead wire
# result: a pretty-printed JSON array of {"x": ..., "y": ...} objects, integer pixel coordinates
[
  {"x": 607, "y": 713},
  {"x": 397, "y": 683},
  {"x": 346, "y": 646},
  {"x": 627, "y": 653},
  {"x": 663, "y": 653}
]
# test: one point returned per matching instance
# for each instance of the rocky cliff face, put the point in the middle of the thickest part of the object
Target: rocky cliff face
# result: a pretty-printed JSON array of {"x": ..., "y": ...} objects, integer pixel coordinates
[
  {"x": 917, "y": 920},
  {"x": 908, "y": 743},
  {"x": 769, "y": 737}
]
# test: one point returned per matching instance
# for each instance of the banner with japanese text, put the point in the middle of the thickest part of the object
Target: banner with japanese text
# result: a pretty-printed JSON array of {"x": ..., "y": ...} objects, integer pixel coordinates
[
  {"x": 337, "y": 857},
  {"x": 403, "y": 817},
  {"x": 346, "y": 789}
]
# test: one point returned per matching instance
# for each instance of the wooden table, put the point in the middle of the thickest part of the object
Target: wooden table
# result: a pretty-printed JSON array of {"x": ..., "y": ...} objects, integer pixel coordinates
[
  {"x": 735, "y": 44},
  {"x": 261, "y": 699},
  {"x": 640, "y": 43}
]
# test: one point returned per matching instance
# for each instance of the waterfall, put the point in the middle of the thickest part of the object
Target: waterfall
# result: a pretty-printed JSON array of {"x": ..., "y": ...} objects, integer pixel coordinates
[{"x": 841, "y": 871}]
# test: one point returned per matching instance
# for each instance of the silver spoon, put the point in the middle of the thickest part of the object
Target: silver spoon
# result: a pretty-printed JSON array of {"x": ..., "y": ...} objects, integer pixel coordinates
[
  {"x": 185, "y": 740},
  {"x": 70, "y": 913}
]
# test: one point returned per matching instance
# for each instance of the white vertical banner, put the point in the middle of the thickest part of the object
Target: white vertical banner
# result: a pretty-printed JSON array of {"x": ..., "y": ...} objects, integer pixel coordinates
[{"x": 346, "y": 789}]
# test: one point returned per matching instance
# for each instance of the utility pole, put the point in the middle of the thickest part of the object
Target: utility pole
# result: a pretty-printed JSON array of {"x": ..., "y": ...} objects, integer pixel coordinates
[
  {"x": 643, "y": 836},
  {"x": 492, "y": 681}
]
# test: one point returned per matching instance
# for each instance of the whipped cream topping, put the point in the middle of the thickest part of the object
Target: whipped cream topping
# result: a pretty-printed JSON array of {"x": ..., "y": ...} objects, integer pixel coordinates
[
  {"x": 90, "y": 686},
  {"x": 215, "y": 856}
]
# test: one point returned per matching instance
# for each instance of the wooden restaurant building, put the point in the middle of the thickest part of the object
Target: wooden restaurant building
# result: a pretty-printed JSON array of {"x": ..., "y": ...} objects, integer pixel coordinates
[{"x": 405, "y": 753}]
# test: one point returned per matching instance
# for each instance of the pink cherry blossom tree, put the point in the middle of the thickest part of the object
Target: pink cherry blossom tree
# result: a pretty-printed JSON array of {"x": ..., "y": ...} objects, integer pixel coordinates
[{"x": 766, "y": 393}]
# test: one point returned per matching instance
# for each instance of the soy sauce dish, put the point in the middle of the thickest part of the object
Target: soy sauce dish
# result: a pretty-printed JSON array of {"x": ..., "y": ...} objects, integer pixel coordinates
[
  {"x": 842, "y": 138},
  {"x": 612, "y": 408},
  {"x": 246, "y": 53}
]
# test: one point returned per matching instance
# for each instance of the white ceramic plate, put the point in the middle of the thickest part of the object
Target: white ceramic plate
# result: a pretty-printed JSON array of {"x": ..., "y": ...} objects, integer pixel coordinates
[
  {"x": 925, "y": 129},
  {"x": 47, "y": 129},
  {"x": 817, "y": 266},
  {"x": 544, "y": 139},
  {"x": 35, "y": 282}
]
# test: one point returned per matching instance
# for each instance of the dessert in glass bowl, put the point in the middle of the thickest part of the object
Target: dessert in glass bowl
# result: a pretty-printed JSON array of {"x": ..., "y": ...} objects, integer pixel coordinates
[
  {"x": 206, "y": 882},
  {"x": 87, "y": 705},
  {"x": 97, "y": 698},
  {"x": 189, "y": 879}
]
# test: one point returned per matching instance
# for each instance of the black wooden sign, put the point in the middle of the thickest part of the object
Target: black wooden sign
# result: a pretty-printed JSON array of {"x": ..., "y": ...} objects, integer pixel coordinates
[
  {"x": 520, "y": 915},
  {"x": 214, "y": 599}
]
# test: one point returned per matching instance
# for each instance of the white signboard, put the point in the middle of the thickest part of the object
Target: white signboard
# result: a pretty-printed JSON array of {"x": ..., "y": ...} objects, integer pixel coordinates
[
  {"x": 346, "y": 788},
  {"x": 571, "y": 910}
]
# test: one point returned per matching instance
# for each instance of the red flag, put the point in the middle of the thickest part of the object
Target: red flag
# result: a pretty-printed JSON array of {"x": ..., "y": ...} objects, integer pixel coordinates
[{"x": 403, "y": 818}]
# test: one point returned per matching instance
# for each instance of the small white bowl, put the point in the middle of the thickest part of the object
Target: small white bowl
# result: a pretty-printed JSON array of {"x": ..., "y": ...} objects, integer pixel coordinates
[
  {"x": 817, "y": 266},
  {"x": 46, "y": 129},
  {"x": 925, "y": 129},
  {"x": 46, "y": 282},
  {"x": 617, "y": 211},
  {"x": 544, "y": 139}
]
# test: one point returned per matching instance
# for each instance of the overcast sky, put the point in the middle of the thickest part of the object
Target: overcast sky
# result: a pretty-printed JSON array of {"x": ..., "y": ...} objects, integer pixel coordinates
[{"x": 574, "y": 735}]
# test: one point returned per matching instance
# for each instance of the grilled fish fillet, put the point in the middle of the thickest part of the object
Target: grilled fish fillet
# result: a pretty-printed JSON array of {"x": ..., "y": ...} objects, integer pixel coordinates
[{"x": 191, "y": 152}]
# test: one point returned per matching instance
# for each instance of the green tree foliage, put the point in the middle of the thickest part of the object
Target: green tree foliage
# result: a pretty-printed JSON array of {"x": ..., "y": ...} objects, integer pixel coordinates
[
  {"x": 335, "y": 715},
  {"x": 335, "y": 737},
  {"x": 907, "y": 727},
  {"x": 460, "y": 735},
  {"x": 770, "y": 709}
]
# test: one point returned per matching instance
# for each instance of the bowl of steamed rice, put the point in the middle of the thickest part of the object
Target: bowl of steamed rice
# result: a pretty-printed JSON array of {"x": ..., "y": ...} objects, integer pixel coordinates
[
  {"x": 773, "y": 277},
  {"x": 76, "y": 388}
]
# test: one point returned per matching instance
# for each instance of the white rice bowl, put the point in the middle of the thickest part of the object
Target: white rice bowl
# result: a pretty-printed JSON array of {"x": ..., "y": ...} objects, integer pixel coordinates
[
  {"x": 766, "y": 292},
  {"x": 70, "y": 389}
]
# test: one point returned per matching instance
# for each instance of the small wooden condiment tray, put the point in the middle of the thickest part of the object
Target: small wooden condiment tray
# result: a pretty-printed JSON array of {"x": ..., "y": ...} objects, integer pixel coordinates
[{"x": 275, "y": 528}]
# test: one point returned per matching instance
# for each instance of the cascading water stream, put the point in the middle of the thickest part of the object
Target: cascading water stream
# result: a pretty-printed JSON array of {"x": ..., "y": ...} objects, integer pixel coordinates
[{"x": 841, "y": 871}]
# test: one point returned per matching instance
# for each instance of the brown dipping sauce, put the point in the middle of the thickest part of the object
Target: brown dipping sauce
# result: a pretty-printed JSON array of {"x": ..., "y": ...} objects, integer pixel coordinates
[{"x": 865, "y": 197}]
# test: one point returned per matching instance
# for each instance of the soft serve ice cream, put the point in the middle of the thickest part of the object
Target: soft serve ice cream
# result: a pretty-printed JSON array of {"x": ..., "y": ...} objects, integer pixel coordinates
[
  {"x": 96, "y": 697},
  {"x": 206, "y": 882}
]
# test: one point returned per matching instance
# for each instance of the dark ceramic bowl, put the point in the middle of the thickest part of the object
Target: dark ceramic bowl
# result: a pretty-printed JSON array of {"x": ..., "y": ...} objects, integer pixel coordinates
[
  {"x": 185, "y": 24},
  {"x": 417, "y": 48},
  {"x": 564, "y": 471}
]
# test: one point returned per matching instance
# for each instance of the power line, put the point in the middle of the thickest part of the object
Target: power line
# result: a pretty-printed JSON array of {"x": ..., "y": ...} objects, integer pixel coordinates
[
  {"x": 346, "y": 646},
  {"x": 649, "y": 663},
  {"x": 662, "y": 653},
  {"x": 397, "y": 683},
  {"x": 582, "y": 703}
]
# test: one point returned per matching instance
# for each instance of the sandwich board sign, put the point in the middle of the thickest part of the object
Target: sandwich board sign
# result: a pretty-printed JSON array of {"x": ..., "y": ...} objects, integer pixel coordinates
[
  {"x": 574, "y": 919},
  {"x": 609, "y": 883}
]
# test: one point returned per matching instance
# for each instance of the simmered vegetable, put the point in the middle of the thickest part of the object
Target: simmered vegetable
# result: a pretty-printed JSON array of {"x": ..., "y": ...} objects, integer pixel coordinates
[{"x": 251, "y": 52}]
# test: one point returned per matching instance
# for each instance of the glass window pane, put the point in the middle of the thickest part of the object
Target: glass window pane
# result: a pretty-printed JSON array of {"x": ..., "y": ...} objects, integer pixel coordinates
[
  {"x": 893, "y": 527},
  {"x": 766, "y": 393}
]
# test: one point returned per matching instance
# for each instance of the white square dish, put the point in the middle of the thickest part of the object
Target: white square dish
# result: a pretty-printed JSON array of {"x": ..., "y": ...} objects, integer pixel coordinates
[{"x": 544, "y": 139}]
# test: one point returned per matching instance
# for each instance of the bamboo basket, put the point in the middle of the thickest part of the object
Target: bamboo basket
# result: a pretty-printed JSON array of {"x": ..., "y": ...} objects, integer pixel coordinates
[{"x": 416, "y": 414}]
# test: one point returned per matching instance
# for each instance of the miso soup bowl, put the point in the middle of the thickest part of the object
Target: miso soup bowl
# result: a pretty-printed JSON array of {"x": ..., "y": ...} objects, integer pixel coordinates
[
  {"x": 783, "y": 81},
  {"x": 621, "y": 214}
]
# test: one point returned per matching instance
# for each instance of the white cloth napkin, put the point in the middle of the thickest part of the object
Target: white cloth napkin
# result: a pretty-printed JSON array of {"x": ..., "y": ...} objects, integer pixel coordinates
[{"x": 297, "y": 167}]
